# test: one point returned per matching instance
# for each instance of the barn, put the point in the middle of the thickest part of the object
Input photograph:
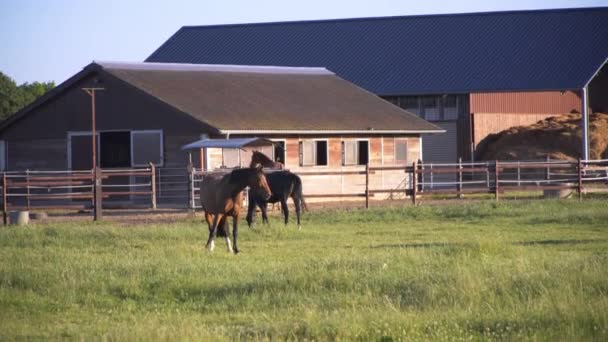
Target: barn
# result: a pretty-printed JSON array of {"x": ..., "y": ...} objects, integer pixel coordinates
[
  {"x": 471, "y": 74},
  {"x": 146, "y": 112}
]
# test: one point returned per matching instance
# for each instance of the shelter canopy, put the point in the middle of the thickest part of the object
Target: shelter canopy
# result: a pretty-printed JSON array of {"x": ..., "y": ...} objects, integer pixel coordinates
[{"x": 228, "y": 143}]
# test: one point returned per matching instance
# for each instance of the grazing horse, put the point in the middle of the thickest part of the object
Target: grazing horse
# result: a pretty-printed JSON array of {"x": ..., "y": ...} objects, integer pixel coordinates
[
  {"x": 222, "y": 196},
  {"x": 283, "y": 184},
  {"x": 259, "y": 158}
]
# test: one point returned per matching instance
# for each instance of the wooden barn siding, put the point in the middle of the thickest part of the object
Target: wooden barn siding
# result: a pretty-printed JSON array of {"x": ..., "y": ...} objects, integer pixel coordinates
[
  {"x": 485, "y": 124},
  {"x": 542, "y": 102},
  {"x": 119, "y": 106},
  {"x": 495, "y": 112},
  {"x": 37, "y": 154}
]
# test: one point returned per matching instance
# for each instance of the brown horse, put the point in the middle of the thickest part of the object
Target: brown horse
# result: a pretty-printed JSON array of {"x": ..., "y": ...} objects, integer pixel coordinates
[
  {"x": 223, "y": 196},
  {"x": 259, "y": 158}
]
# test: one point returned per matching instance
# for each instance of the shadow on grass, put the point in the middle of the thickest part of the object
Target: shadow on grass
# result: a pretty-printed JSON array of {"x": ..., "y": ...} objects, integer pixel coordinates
[{"x": 517, "y": 243}]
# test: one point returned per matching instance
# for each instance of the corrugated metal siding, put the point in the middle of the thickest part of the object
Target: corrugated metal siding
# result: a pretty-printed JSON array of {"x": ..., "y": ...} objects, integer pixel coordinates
[
  {"x": 542, "y": 102},
  {"x": 429, "y": 54},
  {"x": 441, "y": 148}
]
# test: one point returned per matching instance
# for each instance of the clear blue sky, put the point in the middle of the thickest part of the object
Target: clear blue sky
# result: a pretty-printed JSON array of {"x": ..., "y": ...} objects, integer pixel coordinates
[{"x": 42, "y": 40}]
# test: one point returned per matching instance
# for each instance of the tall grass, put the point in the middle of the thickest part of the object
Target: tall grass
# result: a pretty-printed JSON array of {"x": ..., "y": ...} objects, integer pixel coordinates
[{"x": 532, "y": 270}]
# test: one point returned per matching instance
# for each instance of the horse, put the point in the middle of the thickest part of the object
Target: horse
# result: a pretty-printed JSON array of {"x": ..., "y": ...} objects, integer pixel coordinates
[
  {"x": 259, "y": 158},
  {"x": 283, "y": 184},
  {"x": 223, "y": 196}
]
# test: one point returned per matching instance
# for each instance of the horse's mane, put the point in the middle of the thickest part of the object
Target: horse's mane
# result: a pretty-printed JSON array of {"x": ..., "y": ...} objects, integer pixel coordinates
[{"x": 264, "y": 157}]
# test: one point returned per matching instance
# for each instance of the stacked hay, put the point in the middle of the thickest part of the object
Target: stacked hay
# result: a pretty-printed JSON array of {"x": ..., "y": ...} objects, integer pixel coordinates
[{"x": 558, "y": 137}]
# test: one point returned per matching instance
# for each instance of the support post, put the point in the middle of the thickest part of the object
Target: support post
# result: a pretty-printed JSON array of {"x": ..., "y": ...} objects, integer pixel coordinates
[
  {"x": 580, "y": 179},
  {"x": 190, "y": 187},
  {"x": 496, "y": 182},
  {"x": 4, "y": 199},
  {"x": 97, "y": 194},
  {"x": 459, "y": 185},
  {"x": 488, "y": 175},
  {"x": 414, "y": 182},
  {"x": 548, "y": 168},
  {"x": 27, "y": 187},
  {"x": 367, "y": 186},
  {"x": 153, "y": 185},
  {"x": 585, "y": 100}
]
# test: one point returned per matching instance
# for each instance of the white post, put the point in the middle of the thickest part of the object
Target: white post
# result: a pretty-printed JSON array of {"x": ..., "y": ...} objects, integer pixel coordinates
[{"x": 585, "y": 154}]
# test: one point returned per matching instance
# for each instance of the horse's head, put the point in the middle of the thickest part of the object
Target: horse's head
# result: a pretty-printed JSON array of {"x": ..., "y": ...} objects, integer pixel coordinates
[
  {"x": 258, "y": 184},
  {"x": 252, "y": 177}
]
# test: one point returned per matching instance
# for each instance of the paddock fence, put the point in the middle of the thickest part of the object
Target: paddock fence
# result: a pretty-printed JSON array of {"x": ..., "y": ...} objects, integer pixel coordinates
[{"x": 180, "y": 187}]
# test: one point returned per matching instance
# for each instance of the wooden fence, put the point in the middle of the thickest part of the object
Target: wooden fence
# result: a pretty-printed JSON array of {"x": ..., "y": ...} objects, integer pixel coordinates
[
  {"x": 77, "y": 190},
  {"x": 460, "y": 179}
]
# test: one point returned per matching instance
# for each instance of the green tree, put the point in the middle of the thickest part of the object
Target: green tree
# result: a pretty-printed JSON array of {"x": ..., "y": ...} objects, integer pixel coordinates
[{"x": 13, "y": 97}]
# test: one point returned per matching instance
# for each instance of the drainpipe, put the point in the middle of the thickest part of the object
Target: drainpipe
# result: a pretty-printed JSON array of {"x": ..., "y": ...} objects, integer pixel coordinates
[{"x": 585, "y": 93}]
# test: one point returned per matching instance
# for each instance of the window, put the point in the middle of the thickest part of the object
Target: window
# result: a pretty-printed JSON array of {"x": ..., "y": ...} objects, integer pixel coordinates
[
  {"x": 146, "y": 147},
  {"x": 400, "y": 151},
  {"x": 279, "y": 152},
  {"x": 230, "y": 157},
  {"x": 450, "y": 107},
  {"x": 115, "y": 149},
  {"x": 355, "y": 152},
  {"x": 313, "y": 152},
  {"x": 410, "y": 103},
  {"x": 430, "y": 107}
]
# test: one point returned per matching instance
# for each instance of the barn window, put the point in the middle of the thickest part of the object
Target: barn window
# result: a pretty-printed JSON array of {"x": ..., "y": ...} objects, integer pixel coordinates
[
  {"x": 400, "y": 151},
  {"x": 313, "y": 152},
  {"x": 279, "y": 151},
  {"x": 355, "y": 152},
  {"x": 146, "y": 147},
  {"x": 230, "y": 157},
  {"x": 430, "y": 105},
  {"x": 450, "y": 107}
]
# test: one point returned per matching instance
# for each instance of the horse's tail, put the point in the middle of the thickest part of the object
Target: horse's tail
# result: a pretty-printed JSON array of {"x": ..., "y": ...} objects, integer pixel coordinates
[{"x": 298, "y": 191}]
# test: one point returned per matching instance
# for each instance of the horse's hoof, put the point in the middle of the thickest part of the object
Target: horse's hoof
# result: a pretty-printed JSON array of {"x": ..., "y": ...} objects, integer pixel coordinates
[
  {"x": 211, "y": 246},
  {"x": 299, "y": 227},
  {"x": 236, "y": 251}
]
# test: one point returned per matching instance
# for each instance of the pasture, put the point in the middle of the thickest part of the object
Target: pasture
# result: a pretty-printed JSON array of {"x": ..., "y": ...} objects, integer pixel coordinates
[{"x": 529, "y": 269}]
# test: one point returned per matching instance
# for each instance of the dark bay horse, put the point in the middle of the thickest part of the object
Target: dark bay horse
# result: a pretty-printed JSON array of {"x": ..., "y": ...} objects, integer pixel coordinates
[
  {"x": 259, "y": 158},
  {"x": 222, "y": 196}
]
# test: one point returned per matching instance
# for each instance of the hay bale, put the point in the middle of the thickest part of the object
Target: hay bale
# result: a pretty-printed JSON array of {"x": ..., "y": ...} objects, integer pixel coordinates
[{"x": 20, "y": 218}]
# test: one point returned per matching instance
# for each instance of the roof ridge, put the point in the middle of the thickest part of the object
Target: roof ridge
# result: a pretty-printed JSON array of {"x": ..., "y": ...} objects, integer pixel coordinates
[
  {"x": 431, "y": 15},
  {"x": 266, "y": 69}
]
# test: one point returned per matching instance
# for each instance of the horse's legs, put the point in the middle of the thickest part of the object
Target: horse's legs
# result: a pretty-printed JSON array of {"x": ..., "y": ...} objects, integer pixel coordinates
[
  {"x": 225, "y": 225},
  {"x": 285, "y": 209},
  {"x": 235, "y": 231},
  {"x": 298, "y": 205},
  {"x": 216, "y": 221},
  {"x": 251, "y": 211},
  {"x": 264, "y": 209}
]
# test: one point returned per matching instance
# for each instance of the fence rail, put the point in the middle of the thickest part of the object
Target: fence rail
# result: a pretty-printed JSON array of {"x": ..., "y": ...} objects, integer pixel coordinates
[{"x": 92, "y": 189}]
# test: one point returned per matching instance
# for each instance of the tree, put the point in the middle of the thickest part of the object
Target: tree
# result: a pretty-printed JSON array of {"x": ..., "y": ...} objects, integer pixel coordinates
[{"x": 13, "y": 97}]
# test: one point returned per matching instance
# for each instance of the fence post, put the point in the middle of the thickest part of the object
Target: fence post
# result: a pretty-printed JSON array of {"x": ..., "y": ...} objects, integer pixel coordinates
[
  {"x": 548, "y": 169},
  {"x": 580, "y": 179},
  {"x": 496, "y": 180},
  {"x": 27, "y": 187},
  {"x": 4, "y": 199},
  {"x": 153, "y": 185},
  {"x": 459, "y": 185},
  {"x": 190, "y": 186},
  {"x": 414, "y": 182},
  {"x": 518, "y": 173},
  {"x": 367, "y": 186},
  {"x": 488, "y": 175},
  {"x": 97, "y": 194}
]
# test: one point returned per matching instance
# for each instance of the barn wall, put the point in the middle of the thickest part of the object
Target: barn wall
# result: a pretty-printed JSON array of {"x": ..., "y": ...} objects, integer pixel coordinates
[
  {"x": 39, "y": 140},
  {"x": 381, "y": 152},
  {"x": 495, "y": 112},
  {"x": 489, "y": 123},
  {"x": 542, "y": 102}
]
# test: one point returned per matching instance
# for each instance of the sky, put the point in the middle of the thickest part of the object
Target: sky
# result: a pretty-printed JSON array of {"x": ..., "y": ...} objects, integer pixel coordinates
[{"x": 51, "y": 40}]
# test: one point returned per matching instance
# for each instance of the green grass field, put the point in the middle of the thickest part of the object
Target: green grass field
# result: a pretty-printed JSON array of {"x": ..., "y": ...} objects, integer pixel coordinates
[{"x": 531, "y": 269}]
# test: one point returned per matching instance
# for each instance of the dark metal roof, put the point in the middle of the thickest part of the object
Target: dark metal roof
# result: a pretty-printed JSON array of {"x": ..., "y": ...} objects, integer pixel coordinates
[
  {"x": 258, "y": 100},
  {"x": 495, "y": 51},
  {"x": 228, "y": 143}
]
